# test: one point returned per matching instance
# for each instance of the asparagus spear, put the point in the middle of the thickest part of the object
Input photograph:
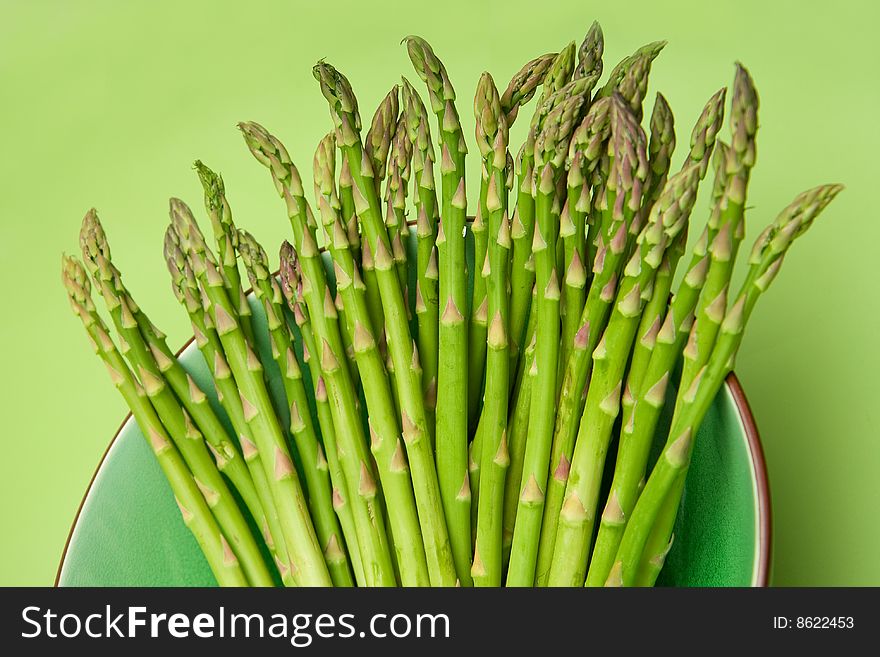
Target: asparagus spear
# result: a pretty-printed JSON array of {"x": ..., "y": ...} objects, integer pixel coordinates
[
  {"x": 189, "y": 496},
  {"x": 157, "y": 372},
  {"x": 660, "y": 149},
  {"x": 551, "y": 147},
  {"x": 556, "y": 89},
  {"x": 517, "y": 434},
  {"x": 524, "y": 84},
  {"x": 713, "y": 300},
  {"x": 590, "y": 54},
  {"x": 475, "y": 451},
  {"x": 740, "y": 159},
  {"x": 186, "y": 290},
  {"x": 558, "y": 75},
  {"x": 226, "y": 238},
  {"x": 371, "y": 283},
  {"x": 646, "y": 387},
  {"x": 377, "y": 143},
  {"x": 346, "y": 334},
  {"x": 668, "y": 219},
  {"x": 617, "y": 202},
  {"x": 706, "y": 130},
  {"x": 386, "y": 444},
  {"x": 361, "y": 252},
  {"x": 479, "y": 320},
  {"x": 492, "y": 140},
  {"x": 291, "y": 287},
  {"x": 427, "y": 274},
  {"x": 634, "y": 83},
  {"x": 765, "y": 261},
  {"x": 354, "y": 457},
  {"x": 395, "y": 201},
  {"x": 226, "y": 455},
  {"x": 522, "y": 269},
  {"x": 349, "y": 216},
  {"x": 640, "y": 60},
  {"x": 588, "y": 146},
  {"x": 404, "y": 355},
  {"x": 451, "y": 433},
  {"x": 307, "y": 561},
  {"x": 702, "y": 144},
  {"x": 640, "y": 419},
  {"x": 320, "y": 496}
]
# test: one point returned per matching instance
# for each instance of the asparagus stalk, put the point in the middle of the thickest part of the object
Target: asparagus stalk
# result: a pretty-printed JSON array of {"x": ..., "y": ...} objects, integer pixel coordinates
[
  {"x": 558, "y": 76},
  {"x": 572, "y": 234},
  {"x": 361, "y": 252},
  {"x": 401, "y": 347},
  {"x": 226, "y": 238},
  {"x": 640, "y": 421},
  {"x": 623, "y": 75},
  {"x": 427, "y": 274},
  {"x": 226, "y": 455},
  {"x": 590, "y": 54},
  {"x": 713, "y": 300},
  {"x": 349, "y": 216},
  {"x": 588, "y": 146},
  {"x": 479, "y": 326},
  {"x": 189, "y": 496},
  {"x": 660, "y": 149},
  {"x": 291, "y": 287},
  {"x": 556, "y": 89},
  {"x": 765, "y": 261},
  {"x": 157, "y": 373},
  {"x": 492, "y": 140},
  {"x": 646, "y": 389},
  {"x": 186, "y": 290},
  {"x": 354, "y": 457},
  {"x": 634, "y": 84},
  {"x": 617, "y": 201},
  {"x": 740, "y": 159},
  {"x": 517, "y": 434},
  {"x": 522, "y": 270},
  {"x": 377, "y": 143},
  {"x": 346, "y": 333},
  {"x": 524, "y": 84},
  {"x": 668, "y": 219},
  {"x": 371, "y": 283},
  {"x": 452, "y": 427},
  {"x": 395, "y": 201},
  {"x": 706, "y": 131},
  {"x": 631, "y": 78},
  {"x": 702, "y": 145},
  {"x": 307, "y": 561},
  {"x": 479, "y": 320},
  {"x": 385, "y": 444},
  {"x": 320, "y": 496},
  {"x": 551, "y": 147}
]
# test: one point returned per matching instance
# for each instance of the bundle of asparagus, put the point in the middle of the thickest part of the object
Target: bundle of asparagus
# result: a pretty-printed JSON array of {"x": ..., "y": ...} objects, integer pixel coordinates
[{"x": 428, "y": 435}]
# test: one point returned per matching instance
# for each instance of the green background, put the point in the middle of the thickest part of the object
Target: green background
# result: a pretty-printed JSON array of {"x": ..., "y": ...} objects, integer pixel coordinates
[{"x": 108, "y": 103}]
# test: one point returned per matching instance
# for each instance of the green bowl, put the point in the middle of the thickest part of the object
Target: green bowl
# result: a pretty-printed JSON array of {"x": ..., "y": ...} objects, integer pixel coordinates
[{"x": 128, "y": 531}]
